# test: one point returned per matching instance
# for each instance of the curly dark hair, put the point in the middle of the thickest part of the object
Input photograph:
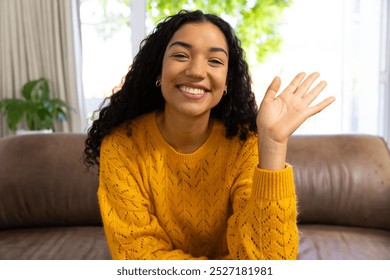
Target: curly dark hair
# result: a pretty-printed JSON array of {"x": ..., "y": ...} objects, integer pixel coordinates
[{"x": 139, "y": 94}]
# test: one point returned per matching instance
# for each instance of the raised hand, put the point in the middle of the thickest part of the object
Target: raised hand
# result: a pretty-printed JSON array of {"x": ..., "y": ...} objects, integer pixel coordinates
[{"x": 280, "y": 115}]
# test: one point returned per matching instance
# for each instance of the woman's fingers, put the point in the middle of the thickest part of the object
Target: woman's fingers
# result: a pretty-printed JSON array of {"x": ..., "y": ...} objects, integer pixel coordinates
[
  {"x": 306, "y": 84},
  {"x": 313, "y": 94},
  {"x": 299, "y": 94},
  {"x": 321, "y": 106},
  {"x": 299, "y": 86},
  {"x": 295, "y": 83}
]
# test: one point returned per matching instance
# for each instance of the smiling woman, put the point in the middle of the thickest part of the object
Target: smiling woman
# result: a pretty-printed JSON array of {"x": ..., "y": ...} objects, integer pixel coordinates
[
  {"x": 190, "y": 167},
  {"x": 194, "y": 74},
  {"x": 193, "y": 81}
]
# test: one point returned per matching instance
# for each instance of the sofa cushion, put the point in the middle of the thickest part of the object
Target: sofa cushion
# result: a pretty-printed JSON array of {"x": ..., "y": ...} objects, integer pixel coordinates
[
  {"x": 43, "y": 182},
  {"x": 342, "y": 180},
  {"x": 322, "y": 242},
  {"x": 55, "y": 243}
]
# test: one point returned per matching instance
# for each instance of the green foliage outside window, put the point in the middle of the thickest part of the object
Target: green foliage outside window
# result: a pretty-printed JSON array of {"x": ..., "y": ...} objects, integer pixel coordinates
[{"x": 255, "y": 22}]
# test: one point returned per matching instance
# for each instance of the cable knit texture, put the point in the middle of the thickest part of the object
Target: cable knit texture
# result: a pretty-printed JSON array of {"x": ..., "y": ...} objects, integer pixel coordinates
[{"x": 215, "y": 203}]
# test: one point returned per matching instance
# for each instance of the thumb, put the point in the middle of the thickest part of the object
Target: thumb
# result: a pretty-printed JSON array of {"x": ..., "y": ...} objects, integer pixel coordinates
[{"x": 273, "y": 88}]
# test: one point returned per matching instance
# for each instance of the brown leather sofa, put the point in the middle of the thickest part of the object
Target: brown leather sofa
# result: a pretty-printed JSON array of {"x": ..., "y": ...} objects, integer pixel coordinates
[
  {"x": 343, "y": 189},
  {"x": 48, "y": 202},
  {"x": 49, "y": 210}
]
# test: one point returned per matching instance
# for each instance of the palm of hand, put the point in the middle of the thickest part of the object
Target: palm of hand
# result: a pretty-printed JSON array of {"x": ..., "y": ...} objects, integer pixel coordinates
[{"x": 279, "y": 116}]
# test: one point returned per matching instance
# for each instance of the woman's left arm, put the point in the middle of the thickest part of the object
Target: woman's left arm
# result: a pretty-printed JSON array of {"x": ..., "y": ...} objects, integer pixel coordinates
[
  {"x": 263, "y": 225},
  {"x": 264, "y": 220},
  {"x": 280, "y": 115}
]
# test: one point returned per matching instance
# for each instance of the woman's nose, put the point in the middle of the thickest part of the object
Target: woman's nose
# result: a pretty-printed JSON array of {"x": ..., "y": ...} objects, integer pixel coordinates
[{"x": 196, "y": 68}]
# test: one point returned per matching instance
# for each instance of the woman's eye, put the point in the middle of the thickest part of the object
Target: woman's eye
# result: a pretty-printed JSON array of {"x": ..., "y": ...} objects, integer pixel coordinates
[
  {"x": 216, "y": 62},
  {"x": 179, "y": 56}
]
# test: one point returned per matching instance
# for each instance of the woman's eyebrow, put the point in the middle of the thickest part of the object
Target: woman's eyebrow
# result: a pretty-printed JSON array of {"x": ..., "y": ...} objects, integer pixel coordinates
[
  {"x": 189, "y": 46},
  {"x": 180, "y": 43}
]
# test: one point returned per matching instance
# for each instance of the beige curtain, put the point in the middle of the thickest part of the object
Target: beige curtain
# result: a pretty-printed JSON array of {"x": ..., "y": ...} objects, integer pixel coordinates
[{"x": 42, "y": 38}]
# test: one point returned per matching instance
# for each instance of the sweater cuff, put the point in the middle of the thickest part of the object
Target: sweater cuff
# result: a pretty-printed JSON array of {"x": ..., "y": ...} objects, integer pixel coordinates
[{"x": 273, "y": 185}]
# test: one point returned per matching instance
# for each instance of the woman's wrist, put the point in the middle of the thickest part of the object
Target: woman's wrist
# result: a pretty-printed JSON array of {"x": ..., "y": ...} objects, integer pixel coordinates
[{"x": 272, "y": 154}]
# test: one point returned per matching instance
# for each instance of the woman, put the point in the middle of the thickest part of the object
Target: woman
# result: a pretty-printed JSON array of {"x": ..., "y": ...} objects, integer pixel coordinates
[{"x": 190, "y": 168}]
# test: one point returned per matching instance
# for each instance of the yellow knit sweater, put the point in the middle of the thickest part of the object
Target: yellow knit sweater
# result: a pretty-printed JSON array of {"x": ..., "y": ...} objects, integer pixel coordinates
[{"x": 215, "y": 203}]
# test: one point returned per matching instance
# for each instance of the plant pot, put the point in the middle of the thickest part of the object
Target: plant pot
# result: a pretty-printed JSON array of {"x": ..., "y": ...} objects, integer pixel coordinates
[{"x": 26, "y": 132}]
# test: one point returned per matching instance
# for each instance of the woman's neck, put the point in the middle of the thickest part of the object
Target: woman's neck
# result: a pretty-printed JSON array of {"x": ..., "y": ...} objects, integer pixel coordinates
[{"x": 184, "y": 134}]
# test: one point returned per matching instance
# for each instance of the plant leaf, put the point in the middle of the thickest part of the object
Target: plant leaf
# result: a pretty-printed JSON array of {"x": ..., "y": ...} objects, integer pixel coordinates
[
  {"x": 28, "y": 88},
  {"x": 14, "y": 110},
  {"x": 38, "y": 111},
  {"x": 36, "y": 90}
]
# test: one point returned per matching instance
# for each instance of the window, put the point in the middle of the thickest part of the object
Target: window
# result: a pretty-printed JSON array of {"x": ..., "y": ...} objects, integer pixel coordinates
[
  {"x": 346, "y": 41},
  {"x": 107, "y": 52},
  {"x": 341, "y": 39}
]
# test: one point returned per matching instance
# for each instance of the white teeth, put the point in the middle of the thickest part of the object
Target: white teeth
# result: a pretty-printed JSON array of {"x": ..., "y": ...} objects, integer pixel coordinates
[{"x": 194, "y": 91}]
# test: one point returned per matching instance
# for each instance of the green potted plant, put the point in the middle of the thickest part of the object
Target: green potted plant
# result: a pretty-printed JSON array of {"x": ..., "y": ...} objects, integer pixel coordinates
[{"x": 35, "y": 108}]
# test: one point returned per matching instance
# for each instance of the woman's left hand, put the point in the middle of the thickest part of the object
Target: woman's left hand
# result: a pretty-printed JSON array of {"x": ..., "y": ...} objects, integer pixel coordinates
[{"x": 279, "y": 116}]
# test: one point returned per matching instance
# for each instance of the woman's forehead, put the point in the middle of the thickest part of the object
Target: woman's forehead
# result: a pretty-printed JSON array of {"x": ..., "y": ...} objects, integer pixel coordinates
[{"x": 198, "y": 33}]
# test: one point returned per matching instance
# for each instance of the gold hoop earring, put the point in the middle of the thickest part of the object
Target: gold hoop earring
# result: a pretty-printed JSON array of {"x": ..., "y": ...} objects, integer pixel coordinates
[
  {"x": 158, "y": 83},
  {"x": 225, "y": 92}
]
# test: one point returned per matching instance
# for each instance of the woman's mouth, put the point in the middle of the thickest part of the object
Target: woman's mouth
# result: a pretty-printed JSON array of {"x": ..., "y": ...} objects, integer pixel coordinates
[{"x": 192, "y": 91}]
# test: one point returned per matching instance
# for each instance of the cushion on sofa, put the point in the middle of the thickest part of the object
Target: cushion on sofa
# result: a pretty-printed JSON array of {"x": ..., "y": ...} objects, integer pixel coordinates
[
  {"x": 342, "y": 180},
  {"x": 54, "y": 243},
  {"x": 343, "y": 190},
  {"x": 43, "y": 182},
  {"x": 329, "y": 242}
]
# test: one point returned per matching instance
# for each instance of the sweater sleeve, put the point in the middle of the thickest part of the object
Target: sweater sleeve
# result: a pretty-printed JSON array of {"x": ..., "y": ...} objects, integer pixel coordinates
[
  {"x": 132, "y": 231},
  {"x": 263, "y": 224}
]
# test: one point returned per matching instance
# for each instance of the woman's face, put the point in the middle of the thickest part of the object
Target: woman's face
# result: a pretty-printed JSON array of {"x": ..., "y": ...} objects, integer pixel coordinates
[{"x": 194, "y": 69}]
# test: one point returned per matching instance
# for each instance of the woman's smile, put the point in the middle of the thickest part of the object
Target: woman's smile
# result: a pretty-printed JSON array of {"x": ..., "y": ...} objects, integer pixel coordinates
[{"x": 193, "y": 93}]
